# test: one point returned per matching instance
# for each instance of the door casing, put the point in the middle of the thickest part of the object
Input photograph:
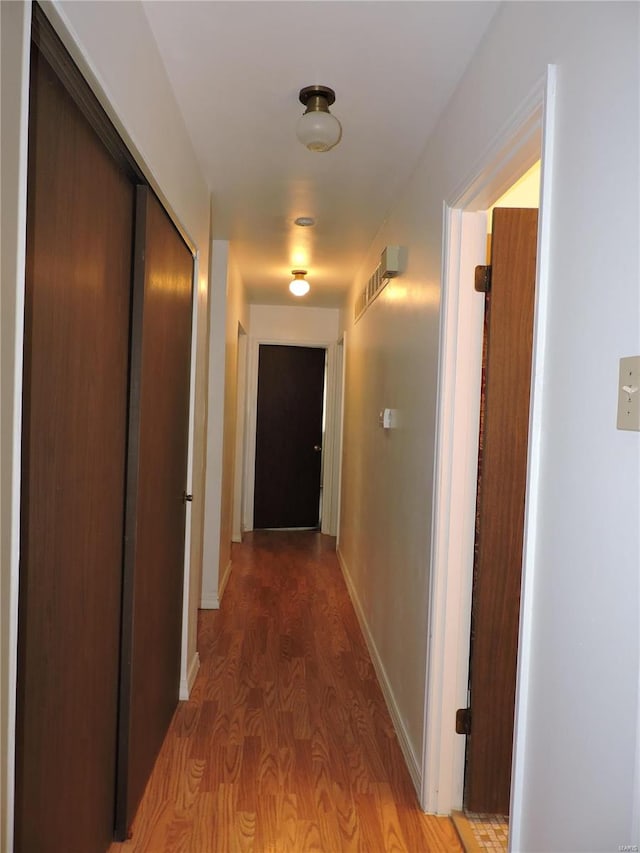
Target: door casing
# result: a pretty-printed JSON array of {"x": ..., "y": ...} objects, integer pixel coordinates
[
  {"x": 332, "y": 424},
  {"x": 238, "y": 464},
  {"x": 528, "y": 137},
  {"x": 289, "y": 436}
]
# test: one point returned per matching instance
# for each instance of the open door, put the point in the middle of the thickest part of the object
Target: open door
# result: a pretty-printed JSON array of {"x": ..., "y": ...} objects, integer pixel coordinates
[{"x": 502, "y": 471}]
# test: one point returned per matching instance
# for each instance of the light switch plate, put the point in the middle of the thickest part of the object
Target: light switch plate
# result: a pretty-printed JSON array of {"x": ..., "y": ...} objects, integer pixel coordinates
[
  {"x": 387, "y": 418},
  {"x": 629, "y": 393}
]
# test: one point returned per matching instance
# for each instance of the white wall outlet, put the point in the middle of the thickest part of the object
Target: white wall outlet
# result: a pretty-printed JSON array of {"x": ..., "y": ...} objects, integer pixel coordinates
[{"x": 629, "y": 393}]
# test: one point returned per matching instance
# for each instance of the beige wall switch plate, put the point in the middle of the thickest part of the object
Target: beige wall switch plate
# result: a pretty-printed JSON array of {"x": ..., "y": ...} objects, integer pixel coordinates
[{"x": 629, "y": 393}]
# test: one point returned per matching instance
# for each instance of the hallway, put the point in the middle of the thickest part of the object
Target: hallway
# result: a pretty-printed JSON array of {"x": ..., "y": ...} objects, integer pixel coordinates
[{"x": 286, "y": 743}]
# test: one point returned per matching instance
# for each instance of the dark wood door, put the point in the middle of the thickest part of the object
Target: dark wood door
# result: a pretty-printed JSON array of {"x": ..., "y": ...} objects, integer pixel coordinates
[
  {"x": 289, "y": 436},
  {"x": 79, "y": 248},
  {"x": 500, "y": 510},
  {"x": 156, "y": 484}
]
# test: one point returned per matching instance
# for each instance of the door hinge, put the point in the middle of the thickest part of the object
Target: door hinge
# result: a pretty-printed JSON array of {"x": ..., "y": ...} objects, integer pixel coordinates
[
  {"x": 463, "y": 721},
  {"x": 483, "y": 279}
]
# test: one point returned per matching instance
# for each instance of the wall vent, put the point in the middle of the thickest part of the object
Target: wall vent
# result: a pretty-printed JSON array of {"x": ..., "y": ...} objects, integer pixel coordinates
[{"x": 388, "y": 268}]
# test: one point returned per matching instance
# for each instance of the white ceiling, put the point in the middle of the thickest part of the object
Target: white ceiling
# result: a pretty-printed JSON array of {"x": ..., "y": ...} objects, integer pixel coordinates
[{"x": 237, "y": 67}]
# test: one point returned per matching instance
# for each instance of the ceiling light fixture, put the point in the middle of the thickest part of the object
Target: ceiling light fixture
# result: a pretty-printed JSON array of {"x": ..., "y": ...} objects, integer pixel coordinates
[
  {"x": 304, "y": 221},
  {"x": 317, "y": 128},
  {"x": 299, "y": 286}
]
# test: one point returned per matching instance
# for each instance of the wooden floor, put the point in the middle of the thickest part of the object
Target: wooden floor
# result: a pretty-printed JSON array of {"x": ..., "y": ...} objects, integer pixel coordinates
[{"x": 286, "y": 743}]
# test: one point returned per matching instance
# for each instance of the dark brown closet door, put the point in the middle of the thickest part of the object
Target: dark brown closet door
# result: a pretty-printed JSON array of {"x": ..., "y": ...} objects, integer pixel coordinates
[
  {"x": 79, "y": 249},
  {"x": 157, "y": 477}
]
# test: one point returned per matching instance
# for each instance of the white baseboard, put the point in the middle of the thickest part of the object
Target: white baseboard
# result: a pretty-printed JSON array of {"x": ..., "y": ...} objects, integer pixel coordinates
[
  {"x": 223, "y": 581},
  {"x": 187, "y": 684},
  {"x": 413, "y": 765}
]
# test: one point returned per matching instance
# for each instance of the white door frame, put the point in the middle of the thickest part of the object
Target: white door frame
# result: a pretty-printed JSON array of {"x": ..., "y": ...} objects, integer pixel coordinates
[
  {"x": 329, "y": 483},
  {"x": 239, "y": 456},
  {"x": 189, "y": 668},
  {"x": 527, "y": 138},
  {"x": 334, "y": 529}
]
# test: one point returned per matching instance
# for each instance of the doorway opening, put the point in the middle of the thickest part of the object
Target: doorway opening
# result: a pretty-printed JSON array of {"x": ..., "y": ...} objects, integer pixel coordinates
[
  {"x": 465, "y": 246},
  {"x": 507, "y": 285}
]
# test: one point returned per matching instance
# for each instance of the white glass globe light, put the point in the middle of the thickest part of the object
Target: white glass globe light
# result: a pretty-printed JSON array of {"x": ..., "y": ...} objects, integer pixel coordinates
[
  {"x": 299, "y": 286},
  {"x": 318, "y": 130}
]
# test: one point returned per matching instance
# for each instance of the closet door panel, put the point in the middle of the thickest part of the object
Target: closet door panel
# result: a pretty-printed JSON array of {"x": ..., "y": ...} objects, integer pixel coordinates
[
  {"x": 157, "y": 479},
  {"x": 79, "y": 252}
]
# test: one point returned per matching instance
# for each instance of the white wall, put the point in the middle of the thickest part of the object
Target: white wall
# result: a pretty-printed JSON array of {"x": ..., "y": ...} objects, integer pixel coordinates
[
  {"x": 114, "y": 48},
  {"x": 294, "y": 324},
  {"x": 303, "y": 327},
  {"x": 228, "y": 308},
  {"x": 576, "y": 756}
]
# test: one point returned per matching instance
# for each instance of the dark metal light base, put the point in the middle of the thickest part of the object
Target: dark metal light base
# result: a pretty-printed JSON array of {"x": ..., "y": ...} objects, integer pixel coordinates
[{"x": 315, "y": 92}]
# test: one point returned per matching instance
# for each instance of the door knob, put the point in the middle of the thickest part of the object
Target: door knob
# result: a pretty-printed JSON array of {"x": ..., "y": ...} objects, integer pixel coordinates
[
  {"x": 317, "y": 448},
  {"x": 186, "y": 497}
]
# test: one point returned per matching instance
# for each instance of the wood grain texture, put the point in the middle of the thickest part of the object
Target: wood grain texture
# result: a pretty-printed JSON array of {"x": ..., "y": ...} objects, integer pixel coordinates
[
  {"x": 156, "y": 483},
  {"x": 286, "y": 743},
  {"x": 500, "y": 511},
  {"x": 79, "y": 245}
]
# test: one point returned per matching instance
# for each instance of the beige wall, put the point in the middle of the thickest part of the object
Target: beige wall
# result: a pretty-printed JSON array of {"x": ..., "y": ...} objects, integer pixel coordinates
[
  {"x": 228, "y": 310},
  {"x": 294, "y": 324},
  {"x": 391, "y": 357},
  {"x": 237, "y": 315},
  {"x": 577, "y": 775}
]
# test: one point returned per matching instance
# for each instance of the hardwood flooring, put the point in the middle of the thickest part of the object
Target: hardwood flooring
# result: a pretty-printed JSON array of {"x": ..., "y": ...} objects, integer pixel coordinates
[{"x": 286, "y": 743}]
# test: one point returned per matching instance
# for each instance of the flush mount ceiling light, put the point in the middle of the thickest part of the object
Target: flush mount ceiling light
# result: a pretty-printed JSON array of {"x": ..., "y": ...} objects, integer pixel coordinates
[
  {"x": 304, "y": 221},
  {"x": 317, "y": 128},
  {"x": 299, "y": 286}
]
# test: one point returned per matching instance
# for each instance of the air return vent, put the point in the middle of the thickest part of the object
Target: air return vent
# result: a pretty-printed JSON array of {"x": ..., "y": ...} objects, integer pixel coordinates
[{"x": 389, "y": 267}]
